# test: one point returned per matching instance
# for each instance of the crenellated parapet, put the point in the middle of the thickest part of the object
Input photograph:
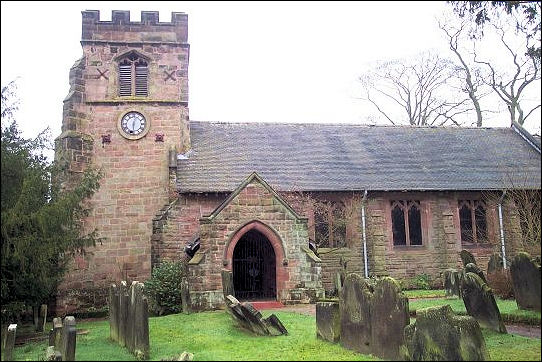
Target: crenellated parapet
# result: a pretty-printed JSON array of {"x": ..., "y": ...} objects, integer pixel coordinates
[{"x": 120, "y": 29}]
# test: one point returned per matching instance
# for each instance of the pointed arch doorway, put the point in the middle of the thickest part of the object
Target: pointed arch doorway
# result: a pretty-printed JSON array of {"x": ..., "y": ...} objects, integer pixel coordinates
[{"x": 254, "y": 267}]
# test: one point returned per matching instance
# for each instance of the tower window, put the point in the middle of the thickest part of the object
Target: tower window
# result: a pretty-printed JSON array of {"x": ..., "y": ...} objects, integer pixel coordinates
[{"x": 133, "y": 76}]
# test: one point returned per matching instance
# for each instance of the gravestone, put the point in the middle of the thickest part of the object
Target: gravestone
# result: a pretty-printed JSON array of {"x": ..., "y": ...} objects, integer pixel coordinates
[
  {"x": 389, "y": 317},
  {"x": 466, "y": 257},
  {"x": 526, "y": 281},
  {"x": 185, "y": 296},
  {"x": 439, "y": 335},
  {"x": 227, "y": 282},
  {"x": 355, "y": 314},
  {"x": 55, "y": 334},
  {"x": 68, "y": 339},
  {"x": 473, "y": 268},
  {"x": 42, "y": 318},
  {"x": 10, "y": 342},
  {"x": 114, "y": 312},
  {"x": 328, "y": 321},
  {"x": 140, "y": 333},
  {"x": 129, "y": 318},
  {"x": 52, "y": 355},
  {"x": 123, "y": 313},
  {"x": 495, "y": 263},
  {"x": 452, "y": 282},
  {"x": 480, "y": 302},
  {"x": 338, "y": 282},
  {"x": 251, "y": 320}
]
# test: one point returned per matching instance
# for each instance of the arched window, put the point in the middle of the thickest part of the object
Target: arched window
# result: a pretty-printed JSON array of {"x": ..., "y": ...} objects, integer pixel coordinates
[
  {"x": 406, "y": 222},
  {"x": 133, "y": 76},
  {"x": 473, "y": 221}
]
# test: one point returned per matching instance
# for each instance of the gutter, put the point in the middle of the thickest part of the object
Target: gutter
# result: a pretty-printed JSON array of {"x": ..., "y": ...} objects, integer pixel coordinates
[
  {"x": 365, "y": 261},
  {"x": 501, "y": 228}
]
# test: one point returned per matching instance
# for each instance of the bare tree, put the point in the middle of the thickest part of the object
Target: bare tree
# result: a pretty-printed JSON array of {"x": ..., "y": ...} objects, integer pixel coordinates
[
  {"x": 510, "y": 86},
  {"x": 415, "y": 91},
  {"x": 470, "y": 77}
]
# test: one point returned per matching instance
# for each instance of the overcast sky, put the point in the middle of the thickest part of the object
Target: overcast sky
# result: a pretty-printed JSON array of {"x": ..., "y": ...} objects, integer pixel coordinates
[{"x": 279, "y": 62}]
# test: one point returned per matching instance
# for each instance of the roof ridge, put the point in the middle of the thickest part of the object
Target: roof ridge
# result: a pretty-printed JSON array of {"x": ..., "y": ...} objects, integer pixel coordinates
[{"x": 346, "y": 124}]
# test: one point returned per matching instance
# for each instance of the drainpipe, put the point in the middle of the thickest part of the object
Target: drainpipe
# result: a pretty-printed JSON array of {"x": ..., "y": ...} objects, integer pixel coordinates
[
  {"x": 502, "y": 230},
  {"x": 364, "y": 235}
]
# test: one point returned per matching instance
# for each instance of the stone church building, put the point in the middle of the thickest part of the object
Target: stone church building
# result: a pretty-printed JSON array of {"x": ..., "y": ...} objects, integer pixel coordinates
[{"x": 282, "y": 206}]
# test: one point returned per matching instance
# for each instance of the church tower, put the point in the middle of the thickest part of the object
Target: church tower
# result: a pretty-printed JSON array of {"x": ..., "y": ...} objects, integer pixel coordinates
[{"x": 127, "y": 113}]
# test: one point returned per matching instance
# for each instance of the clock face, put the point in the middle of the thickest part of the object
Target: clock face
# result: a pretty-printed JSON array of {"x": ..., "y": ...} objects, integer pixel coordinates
[{"x": 133, "y": 123}]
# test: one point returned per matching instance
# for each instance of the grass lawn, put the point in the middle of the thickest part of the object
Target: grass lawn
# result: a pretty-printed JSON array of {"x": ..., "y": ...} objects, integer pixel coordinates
[
  {"x": 210, "y": 336},
  {"x": 422, "y": 293},
  {"x": 213, "y": 336}
]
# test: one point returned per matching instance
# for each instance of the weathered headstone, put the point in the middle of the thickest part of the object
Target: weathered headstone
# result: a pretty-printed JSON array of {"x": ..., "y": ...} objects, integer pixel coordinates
[
  {"x": 69, "y": 339},
  {"x": 129, "y": 318},
  {"x": 227, "y": 282},
  {"x": 389, "y": 317},
  {"x": 328, "y": 321},
  {"x": 355, "y": 311},
  {"x": 338, "y": 282},
  {"x": 473, "y": 268},
  {"x": 452, "y": 282},
  {"x": 480, "y": 302},
  {"x": 466, "y": 257},
  {"x": 251, "y": 320},
  {"x": 10, "y": 342},
  {"x": 185, "y": 296},
  {"x": 114, "y": 312},
  {"x": 42, "y": 318},
  {"x": 495, "y": 263},
  {"x": 55, "y": 334},
  {"x": 123, "y": 313},
  {"x": 439, "y": 335},
  {"x": 526, "y": 281},
  {"x": 130, "y": 322},
  {"x": 52, "y": 355},
  {"x": 141, "y": 345}
]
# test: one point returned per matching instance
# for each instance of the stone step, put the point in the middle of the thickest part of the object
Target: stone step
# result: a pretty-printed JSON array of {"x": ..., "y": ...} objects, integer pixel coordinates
[{"x": 266, "y": 304}]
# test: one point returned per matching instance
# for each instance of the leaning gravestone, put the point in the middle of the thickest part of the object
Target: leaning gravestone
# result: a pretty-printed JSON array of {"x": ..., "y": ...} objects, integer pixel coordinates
[
  {"x": 480, "y": 302},
  {"x": 328, "y": 321},
  {"x": 10, "y": 342},
  {"x": 466, "y": 257},
  {"x": 473, "y": 268},
  {"x": 69, "y": 339},
  {"x": 251, "y": 320},
  {"x": 526, "y": 281},
  {"x": 452, "y": 282},
  {"x": 439, "y": 335},
  {"x": 355, "y": 313},
  {"x": 389, "y": 317}
]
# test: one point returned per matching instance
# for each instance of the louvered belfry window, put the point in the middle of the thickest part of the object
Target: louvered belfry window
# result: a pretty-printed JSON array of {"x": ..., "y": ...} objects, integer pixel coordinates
[{"x": 133, "y": 76}]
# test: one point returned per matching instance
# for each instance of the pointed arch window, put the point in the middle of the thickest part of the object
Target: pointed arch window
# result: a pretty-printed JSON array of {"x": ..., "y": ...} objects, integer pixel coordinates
[
  {"x": 133, "y": 76},
  {"x": 473, "y": 221},
  {"x": 406, "y": 222}
]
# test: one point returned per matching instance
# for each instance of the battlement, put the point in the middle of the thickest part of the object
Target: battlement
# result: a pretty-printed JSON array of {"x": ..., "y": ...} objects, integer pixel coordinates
[{"x": 112, "y": 30}]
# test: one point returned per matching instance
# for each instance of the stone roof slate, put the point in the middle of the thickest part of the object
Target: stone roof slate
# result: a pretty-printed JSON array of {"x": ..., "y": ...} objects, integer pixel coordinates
[{"x": 325, "y": 157}]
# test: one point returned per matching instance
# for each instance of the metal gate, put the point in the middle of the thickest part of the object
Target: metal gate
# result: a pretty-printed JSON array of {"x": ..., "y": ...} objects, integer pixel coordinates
[{"x": 254, "y": 275}]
